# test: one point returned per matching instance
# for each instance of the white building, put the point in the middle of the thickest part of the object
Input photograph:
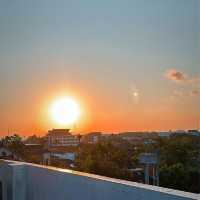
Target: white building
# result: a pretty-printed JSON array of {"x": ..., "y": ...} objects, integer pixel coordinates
[{"x": 61, "y": 138}]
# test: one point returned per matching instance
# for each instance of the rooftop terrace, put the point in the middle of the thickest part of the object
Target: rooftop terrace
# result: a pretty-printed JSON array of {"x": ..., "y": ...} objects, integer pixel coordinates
[{"x": 25, "y": 181}]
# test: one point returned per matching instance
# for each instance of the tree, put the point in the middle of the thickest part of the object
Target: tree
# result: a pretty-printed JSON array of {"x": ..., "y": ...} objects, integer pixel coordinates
[
  {"x": 104, "y": 159},
  {"x": 15, "y": 144},
  {"x": 177, "y": 176},
  {"x": 34, "y": 139},
  {"x": 179, "y": 162}
]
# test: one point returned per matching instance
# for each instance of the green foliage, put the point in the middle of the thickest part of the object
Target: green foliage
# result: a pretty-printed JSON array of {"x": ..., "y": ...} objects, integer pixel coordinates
[
  {"x": 179, "y": 162},
  {"x": 34, "y": 139},
  {"x": 177, "y": 176},
  {"x": 104, "y": 159},
  {"x": 184, "y": 150}
]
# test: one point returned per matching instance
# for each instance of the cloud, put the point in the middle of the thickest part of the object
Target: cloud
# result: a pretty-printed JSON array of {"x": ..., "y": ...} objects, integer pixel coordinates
[
  {"x": 181, "y": 77},
  {"x": 175, "y": 75}
]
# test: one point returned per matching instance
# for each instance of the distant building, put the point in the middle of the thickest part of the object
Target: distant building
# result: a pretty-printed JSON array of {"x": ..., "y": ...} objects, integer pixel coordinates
[
  {"x": 92, "y": 137},
  {"x": 61, "y": 138},
  {"x": 164, "y": 134},
  {"x": 193, "y": 132},
  {"x": 179, "y": 133},
  {"x": 138, "y": 138}
]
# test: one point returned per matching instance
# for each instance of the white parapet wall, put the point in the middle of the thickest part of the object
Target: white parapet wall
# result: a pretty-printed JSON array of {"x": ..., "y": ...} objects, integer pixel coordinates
[{"x": 25, "y": 181}]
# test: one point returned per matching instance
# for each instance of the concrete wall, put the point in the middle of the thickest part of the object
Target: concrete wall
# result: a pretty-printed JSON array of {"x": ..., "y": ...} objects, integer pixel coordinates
[{"x": 35, "y": 182}]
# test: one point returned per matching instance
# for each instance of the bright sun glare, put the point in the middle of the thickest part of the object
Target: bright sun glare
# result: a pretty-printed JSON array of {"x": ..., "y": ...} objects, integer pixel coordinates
[{"x": 65, "y": 111}]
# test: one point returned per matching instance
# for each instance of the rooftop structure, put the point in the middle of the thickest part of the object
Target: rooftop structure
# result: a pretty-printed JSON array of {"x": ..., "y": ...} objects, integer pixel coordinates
[{"x": 25, "y": 181}]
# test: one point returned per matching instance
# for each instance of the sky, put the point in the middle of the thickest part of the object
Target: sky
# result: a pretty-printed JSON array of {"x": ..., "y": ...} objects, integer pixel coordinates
[{"x": 132, "y": 65}]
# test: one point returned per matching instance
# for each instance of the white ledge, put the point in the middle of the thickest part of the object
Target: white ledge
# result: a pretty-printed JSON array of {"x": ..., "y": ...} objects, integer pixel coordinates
[{"x": 107, "y": 179}]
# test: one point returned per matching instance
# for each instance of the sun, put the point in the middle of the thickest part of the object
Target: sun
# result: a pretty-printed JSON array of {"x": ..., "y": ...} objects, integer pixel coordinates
[{"x": 65, "y": 111}]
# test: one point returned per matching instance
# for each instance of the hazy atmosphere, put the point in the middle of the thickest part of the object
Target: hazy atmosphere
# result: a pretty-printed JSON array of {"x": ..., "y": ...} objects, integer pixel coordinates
[{"x": 130, "y": 65}]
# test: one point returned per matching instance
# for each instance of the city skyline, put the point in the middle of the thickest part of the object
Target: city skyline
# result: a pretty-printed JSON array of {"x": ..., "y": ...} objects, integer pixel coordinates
[{"x": 130, "y": 66}]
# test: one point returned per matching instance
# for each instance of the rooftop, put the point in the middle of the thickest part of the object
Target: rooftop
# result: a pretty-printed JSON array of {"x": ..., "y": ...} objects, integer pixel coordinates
[{"x": 22, "y": 181}]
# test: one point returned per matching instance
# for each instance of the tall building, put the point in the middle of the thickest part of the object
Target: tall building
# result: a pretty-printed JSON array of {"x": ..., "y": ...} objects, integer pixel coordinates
[{"x": 61, "y": 138}]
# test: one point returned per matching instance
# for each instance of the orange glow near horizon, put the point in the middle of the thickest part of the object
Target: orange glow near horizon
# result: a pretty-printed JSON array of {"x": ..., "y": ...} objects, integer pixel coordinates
[{"x": 92, "y": 113}]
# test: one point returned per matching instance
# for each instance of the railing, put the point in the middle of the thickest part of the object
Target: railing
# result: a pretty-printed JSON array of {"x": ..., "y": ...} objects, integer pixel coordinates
[{"x": 25, "y": 181}]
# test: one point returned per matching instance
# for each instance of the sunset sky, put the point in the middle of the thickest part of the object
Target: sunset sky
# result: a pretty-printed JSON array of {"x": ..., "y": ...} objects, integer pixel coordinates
[{"x": 130, "y": 65}]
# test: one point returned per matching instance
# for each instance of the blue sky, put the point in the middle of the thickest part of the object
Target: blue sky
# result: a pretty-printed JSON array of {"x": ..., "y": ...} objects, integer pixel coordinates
[{"x": 104, "y": 50}]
